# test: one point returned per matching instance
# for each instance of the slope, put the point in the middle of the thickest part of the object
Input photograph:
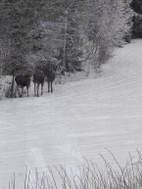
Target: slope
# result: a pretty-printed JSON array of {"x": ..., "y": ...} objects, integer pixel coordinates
[{"x": 79, "y": 119}]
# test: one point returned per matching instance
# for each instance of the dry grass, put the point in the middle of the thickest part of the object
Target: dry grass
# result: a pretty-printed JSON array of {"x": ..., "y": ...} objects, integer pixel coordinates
[{"x": 88, "y": 176}]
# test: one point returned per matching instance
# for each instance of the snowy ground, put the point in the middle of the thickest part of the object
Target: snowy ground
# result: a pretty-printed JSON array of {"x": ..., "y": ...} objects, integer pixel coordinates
[{"x": 79, "y": 119}]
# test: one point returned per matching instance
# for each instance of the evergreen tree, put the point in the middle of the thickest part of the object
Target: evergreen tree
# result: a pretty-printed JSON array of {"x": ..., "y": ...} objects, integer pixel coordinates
[
  {"x": 19, "y": 19},
  {"x": 70, "y": 51},
  {"x": 73, "y": 53},
  {"x": 137, "y": 6},
  {"x": 137, "y": 19}
]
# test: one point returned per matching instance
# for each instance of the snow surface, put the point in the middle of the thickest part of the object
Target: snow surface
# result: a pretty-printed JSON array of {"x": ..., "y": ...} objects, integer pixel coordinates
[{"x": 80, "y": 119}]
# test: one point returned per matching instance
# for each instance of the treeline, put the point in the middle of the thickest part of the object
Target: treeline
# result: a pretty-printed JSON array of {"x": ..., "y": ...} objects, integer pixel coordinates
[
  {"x": 65, "y": 33},
  {"x": 137, "y": 19}
]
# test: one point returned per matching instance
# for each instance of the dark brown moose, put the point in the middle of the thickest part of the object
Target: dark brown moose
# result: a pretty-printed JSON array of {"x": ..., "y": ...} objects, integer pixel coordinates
[
  {"x": 50, "y": 78},
  {"x": 38, "y": 79},
  {"x": 22, "y": 81}
]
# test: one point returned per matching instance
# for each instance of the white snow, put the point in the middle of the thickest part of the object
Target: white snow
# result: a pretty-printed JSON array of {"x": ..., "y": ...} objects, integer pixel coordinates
[{"x": 80, "y": 119}]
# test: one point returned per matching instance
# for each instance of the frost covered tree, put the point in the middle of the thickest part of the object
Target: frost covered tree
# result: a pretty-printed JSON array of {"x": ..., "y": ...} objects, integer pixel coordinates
[{"x": 106, "y": 24}]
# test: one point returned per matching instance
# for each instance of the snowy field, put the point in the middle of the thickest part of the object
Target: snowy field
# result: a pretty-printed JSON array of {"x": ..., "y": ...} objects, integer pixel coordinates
[{"x": 79, "y": 119}]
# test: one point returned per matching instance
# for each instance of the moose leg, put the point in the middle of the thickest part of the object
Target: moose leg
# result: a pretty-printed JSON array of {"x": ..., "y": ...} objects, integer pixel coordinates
[
  {"x": 27, "y": 91},
  {"x": 38, "y": 89},
  {"x": 51, "y": 87},
  {"x": 34, "y": 89},
  {"x": 48, "y": 86},
  {"x": 20, "y": 95},
  {"x": 21, "y": 92},
  {"x": 42, "y": 89}
]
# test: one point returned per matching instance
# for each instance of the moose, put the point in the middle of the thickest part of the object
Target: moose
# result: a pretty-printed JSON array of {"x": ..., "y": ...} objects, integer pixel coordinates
[
  {"x": 39, "y": 73},
  {"x": 22, "y": 81},
  {"x": 38, "y": 79},
  {"x": 50, "y": 75}
]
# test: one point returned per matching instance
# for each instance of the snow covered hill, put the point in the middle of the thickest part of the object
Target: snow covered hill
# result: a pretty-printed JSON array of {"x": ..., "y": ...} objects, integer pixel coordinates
[{"x": 79, "y": 119}]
